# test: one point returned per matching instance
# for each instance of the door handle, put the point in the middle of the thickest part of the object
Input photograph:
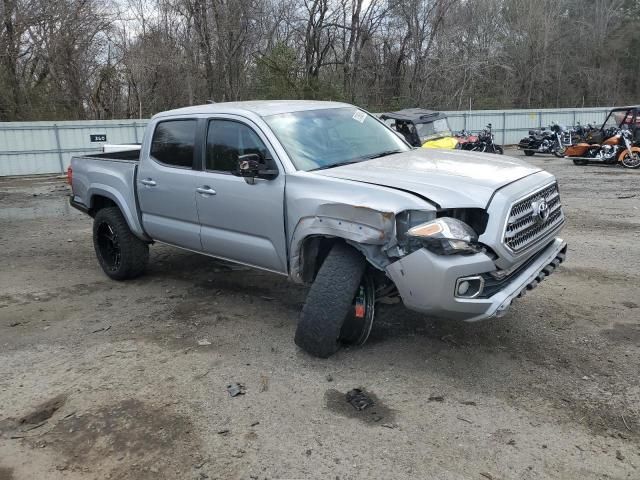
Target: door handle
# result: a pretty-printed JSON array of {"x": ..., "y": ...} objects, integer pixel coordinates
[
  {"x": 148, "y": 182},
  {"x": 206, "y": 190}
]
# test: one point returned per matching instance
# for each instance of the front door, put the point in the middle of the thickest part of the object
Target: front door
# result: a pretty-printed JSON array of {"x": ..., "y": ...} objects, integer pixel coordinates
[
  {"x": 240, "y": 221},
  {"x": 167, "y": 184}
]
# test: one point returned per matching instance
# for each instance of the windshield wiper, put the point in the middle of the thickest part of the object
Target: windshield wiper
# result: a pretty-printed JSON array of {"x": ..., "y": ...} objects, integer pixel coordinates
[
  {"x": 339, "y": 164},
  {"x": 366, "y": 157},
  {"x": 382, "y": 154}
]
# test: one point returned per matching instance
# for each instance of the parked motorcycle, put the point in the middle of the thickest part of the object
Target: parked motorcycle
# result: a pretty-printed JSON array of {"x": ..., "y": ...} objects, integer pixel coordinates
[
  {"x": 551, "y": 141},
  {"x": 483, "y": 142},
  {"x": 466, "y": 140},
  {"x": 580, "y": 132},
  {"x": 616, "y": 147}
]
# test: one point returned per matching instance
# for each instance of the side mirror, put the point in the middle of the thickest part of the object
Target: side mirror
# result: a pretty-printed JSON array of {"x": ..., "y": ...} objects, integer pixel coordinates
[{"x": 253, "y": 165}]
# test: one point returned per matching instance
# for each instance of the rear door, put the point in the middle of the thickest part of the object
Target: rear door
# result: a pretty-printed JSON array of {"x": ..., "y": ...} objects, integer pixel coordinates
[
  {"x": 240, "y": 221},
  {"x": 167, "y": 182}
]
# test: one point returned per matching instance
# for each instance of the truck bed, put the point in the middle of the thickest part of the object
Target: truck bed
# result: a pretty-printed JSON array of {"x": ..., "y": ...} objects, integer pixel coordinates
[
  {"x": 112, "y": 176},
  {"x": 124, "y": 155}
]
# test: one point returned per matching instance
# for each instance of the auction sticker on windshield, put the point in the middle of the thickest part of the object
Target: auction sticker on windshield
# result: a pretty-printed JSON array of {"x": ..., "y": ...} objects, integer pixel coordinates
[{"x": 360, "y": 116}]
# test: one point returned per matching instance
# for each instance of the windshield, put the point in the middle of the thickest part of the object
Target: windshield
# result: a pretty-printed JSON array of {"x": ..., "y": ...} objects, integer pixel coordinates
[
  {"x": 438, "y": 129},
  {"x": 317, "y": 139},
  {"x": 620, "y": 118}
]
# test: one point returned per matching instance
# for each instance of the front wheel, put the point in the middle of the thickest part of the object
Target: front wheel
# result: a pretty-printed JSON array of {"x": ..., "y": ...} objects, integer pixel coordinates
[
  {"x": 560, "y": 151},
  {"x": 630, "y": 160},
  {"x": 340, "y": 304},
  {"x": 498, "y": 149},
  {"x": 529, "y": 153},
  {"x": 120, "y": 253}
]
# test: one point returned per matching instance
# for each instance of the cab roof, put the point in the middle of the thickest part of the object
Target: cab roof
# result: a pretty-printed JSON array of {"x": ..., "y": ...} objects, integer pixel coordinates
[{"x": 262, "y": 108}]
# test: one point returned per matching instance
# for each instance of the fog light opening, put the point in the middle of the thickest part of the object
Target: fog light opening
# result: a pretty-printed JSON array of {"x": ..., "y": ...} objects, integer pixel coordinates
[{"x": 469, "y": 287}]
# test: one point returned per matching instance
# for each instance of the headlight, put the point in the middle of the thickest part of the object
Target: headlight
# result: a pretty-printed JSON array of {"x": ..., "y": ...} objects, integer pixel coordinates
[{"x": 446, "y": 236}]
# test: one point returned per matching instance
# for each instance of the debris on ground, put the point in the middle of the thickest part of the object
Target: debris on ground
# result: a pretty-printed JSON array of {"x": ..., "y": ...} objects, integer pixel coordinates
[
  {"x": 486, "y": 475},
  {"x": 436, "y": 398},
  {"x": 201, "y": 375},
  {"x": 329, "y": 377},
  {"x": 102, "y": 329},
  {"x": 204, "y": 342},
  {"x": 235, "y": 389},
  {"x": 222, "y": 432},
  {"x": 264, "y": 383},
  {"x": 470, "y": 403},
  {"x": 15, "y": 324},
  {"x": 464, "y": 419},
  {"x": 44, "y": 411},
  {"x": 619, "y": 455},
  {"x": 359, "y": 399}
]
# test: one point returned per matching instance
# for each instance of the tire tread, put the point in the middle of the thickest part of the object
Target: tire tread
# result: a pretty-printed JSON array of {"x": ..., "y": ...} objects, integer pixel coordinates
[
  {"x": 134, "y": 252},
  {"x": 329, "y": 299}
]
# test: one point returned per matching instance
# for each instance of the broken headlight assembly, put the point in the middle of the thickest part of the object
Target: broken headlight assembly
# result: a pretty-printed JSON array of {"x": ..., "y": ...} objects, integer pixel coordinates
[{"x": 443, "y": 235}]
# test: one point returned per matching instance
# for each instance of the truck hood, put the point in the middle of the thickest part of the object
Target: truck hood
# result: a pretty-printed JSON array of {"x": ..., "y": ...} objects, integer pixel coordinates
[{"x": 448, "y": 178}]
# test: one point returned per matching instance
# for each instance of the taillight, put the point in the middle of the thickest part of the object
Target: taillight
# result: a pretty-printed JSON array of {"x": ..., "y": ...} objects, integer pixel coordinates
[{"x": 69, "y": 175}]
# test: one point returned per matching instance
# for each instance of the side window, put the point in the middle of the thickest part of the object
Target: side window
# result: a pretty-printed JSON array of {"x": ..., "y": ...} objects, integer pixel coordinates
[
  {"x": 173, "y": 143},
  {"x": 227, "y": 140}
]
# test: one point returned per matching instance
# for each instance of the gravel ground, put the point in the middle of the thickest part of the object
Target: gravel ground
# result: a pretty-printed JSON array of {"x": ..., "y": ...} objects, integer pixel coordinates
[{"x": 101, "y": 379}]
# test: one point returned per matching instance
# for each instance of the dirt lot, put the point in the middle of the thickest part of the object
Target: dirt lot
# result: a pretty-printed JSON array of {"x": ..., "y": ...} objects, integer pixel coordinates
[{"x": 100, "y": 379}]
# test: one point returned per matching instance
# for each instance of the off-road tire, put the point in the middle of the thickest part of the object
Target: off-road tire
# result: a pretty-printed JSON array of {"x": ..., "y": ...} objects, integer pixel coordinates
[
  {"x": 329, "y": 300},
  {"x": 134, "y": 253},
  {"x": 529, "y": 153}
]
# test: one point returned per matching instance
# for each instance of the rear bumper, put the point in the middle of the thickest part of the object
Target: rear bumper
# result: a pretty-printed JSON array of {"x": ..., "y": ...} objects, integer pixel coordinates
[
  {"x": 77, "y": 205},
  {"x": 427, "y": 282}
]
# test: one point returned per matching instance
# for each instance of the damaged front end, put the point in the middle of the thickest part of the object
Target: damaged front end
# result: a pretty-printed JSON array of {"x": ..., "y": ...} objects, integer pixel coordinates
[{"x": 383, "y": 237}]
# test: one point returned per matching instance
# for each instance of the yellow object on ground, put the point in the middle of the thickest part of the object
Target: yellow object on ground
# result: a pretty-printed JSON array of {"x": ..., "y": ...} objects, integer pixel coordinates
[{"x": 445, "y": 142}]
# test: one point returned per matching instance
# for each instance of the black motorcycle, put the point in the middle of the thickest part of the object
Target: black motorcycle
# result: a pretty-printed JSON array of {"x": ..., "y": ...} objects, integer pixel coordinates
[
  {"x": 483, "y": 143},
  {"x": 551, "y": 141}
]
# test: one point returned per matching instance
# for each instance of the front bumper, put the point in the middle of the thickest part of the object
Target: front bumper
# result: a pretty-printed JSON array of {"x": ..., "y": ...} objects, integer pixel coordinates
[{"x": 426, "y": 281}]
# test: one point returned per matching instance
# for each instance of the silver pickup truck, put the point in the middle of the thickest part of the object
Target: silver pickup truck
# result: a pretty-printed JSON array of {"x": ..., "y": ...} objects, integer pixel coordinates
[{"x": 329, "y": 196}]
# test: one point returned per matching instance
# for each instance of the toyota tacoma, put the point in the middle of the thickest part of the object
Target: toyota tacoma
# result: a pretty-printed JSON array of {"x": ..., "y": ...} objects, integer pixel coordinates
[{"x": 329, "y": 196}]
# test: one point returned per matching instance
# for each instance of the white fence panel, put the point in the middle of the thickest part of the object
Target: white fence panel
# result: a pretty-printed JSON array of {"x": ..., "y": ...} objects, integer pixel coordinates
[{"x": 29, "y": 148}]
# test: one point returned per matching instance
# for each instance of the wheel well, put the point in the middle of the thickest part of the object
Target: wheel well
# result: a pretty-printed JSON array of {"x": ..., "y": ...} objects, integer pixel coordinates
[
  {"x": 98, "y": 202},
  {"x": 313, "y": 253}
]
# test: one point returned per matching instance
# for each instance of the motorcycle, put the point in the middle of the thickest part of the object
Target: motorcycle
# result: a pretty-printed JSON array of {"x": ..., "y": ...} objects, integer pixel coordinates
[
  {"x": 552, "y": 141},
  {"x": 616, "y": 146},
  {"x": 580, "y": 133},
  {"x": 466, "y": 140},
  {"x": 483, "y": 142}
]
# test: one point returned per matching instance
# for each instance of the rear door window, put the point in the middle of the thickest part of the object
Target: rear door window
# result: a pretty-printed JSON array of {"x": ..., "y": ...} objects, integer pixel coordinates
[{"x": 173, "y": 143}]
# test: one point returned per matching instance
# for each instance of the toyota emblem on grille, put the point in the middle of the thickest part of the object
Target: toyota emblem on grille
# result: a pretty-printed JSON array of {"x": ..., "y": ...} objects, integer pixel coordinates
[{"x": 540, "y": 210}]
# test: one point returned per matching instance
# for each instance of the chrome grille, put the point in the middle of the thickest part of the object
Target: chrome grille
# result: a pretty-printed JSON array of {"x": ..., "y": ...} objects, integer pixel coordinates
[{"x": 524, "y": 228}]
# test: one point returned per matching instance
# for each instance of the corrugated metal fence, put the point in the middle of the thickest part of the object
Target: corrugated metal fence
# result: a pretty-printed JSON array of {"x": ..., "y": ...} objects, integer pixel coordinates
[
  {"x": 509, "y": 126},
  {"x": 28, "y": 148}
]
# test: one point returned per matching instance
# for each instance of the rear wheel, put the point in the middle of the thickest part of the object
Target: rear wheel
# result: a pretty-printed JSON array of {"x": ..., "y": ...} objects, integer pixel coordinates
[
  {"x": 631, "y": 160},
  {"x": 120, "y": 253},
  {"x": 340, "y": 304}
]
